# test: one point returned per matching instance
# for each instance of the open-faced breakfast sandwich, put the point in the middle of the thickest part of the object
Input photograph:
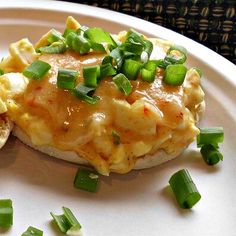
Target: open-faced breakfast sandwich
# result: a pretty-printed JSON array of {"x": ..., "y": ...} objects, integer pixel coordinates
[{"x": 115, "y": 102}]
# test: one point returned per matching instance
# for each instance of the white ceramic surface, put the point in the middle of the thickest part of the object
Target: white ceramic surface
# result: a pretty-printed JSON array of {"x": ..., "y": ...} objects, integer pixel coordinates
[{"x": 138, "y": 203}]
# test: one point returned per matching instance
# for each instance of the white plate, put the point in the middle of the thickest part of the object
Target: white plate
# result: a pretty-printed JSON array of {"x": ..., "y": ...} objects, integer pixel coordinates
[{"x": 137, "y": 203}]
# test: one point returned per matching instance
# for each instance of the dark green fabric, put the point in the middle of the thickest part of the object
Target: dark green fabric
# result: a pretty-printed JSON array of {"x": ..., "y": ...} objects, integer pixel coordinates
[{"x": 210, "y": 22}]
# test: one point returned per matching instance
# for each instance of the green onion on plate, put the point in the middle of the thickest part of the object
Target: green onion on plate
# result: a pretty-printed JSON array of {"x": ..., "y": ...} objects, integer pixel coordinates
[
  {"x": 67, "y": 222},
  {"x": 6, "y": 213},
  {"x": 86, "y": 180},
  {"x": 211, "y": 154},
  {"x": 210, "y": 135},
  {"x": 184, "y": 189},
  {"x": 32, "y": 231}
]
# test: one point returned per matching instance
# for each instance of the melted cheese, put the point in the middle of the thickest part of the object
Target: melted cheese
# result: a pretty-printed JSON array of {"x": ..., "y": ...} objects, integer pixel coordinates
[{"x": 154, "y": 116}]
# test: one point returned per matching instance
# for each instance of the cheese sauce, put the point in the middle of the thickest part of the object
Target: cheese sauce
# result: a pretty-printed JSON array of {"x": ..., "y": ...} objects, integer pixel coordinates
[{"x": 153, "y": 116}]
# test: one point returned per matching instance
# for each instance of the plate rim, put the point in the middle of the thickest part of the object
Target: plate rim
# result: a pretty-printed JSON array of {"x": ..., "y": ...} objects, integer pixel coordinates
[{"x": 205, "y": 55}]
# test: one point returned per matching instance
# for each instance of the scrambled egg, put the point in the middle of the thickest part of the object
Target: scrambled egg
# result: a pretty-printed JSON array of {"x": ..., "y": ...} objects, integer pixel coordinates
[{"x": 154, "y": 116}]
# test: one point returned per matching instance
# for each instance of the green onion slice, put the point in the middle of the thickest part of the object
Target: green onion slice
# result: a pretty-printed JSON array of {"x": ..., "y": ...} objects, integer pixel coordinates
[
  {"x": 184, "y": 189},
  {"x": 116, "y": 137},
  {"x": 175, "y": 74},
  {"x": 55, "y": 36},
  {"x": 82, "y": 29},
  {"x": 132, "y": 46},
  {"x": 67, "y": 32},
  {"x": 98, "y": 47},
  {"x": 122, "y": 83},
  {"x": 117, "y": 56},
  {"x": 37, "y": 70},
  {"x": 107, "y": 70},
  {"x": 91, "y": 75},
  {"x": 81, "y": 45},
  {"x": 98, "y": 35},
  {"x": 67, "y": 222},
  {"x": 161, "y": 63},
  {"x": 32, "y": 231},
  {"x": 1, "y": 72},
  {"x": 134, "y": 36},
  {"x": 178, "y": 48},
  {"x": 70, "y": 37},
  {"x": 131, "y": 69},
  {"x": 151, "y": 65},
  {"x": 175, "y": 57},
  {"x": 148, "y": 47},
  {"x": 82, "y": 92},
  {"x": 176, "y": 54},
  {"x": 148, "y": 75},
  {"x": 210, "y": 154},
  {"x": 210, "y": 135},
  {"x": 66, "y": 79},
  {"x": 54, "y": 48},
  {"x": 6, "y": 213},
  {"x": 86, "y": 180}
]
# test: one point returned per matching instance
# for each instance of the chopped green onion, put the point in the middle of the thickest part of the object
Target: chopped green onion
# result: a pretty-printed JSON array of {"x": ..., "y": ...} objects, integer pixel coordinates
[
  {"x": 107, "y": 70},
  {"x": 73, "y": 222},
  {"x": 32, "y": 231},
  {"x": 148, "y": 47},
  {"x": 176, "y": 54},
  {"x": 54, "y": 48},
  {"x": 107, "y": 60},
  {"x": 97, "y": 47},
  {"x": 86, "y": 180},
  {"x": 67, "y": 32},
  {"x": 98, "y": 35},
  {"x": 161, "y": 63},
  {"x": 61, "y": 222},
  {"x": 151, "y": 65},
  {"x": 70, "y": 37},
  {"x": 117, "y": 56},
  {"x": 210, "y": 154},
  {"x": 178, "y": 48},
  {"x": 175, "y": 74},
  {"x": 6, "y": 213},
  {"x": 116, "y": 137},
  {"x": 210, "y": 135},
  {"x": 184, "y": 189},
  {"x": 81, "y": 45},
  {"x": 148, "y": 75},
  {"x": 82, "y": 29},
  {"x": 123, "y": 83},
  {"x": 82, "y": 91},
  {"x": 1, "y": 72},
  {"x": 134, "y": 36},
  {"x": 66, "y": 79},
  {"x": 91, "y": 75},
  {"x": 37, "y": 70},
  {"x": 55, "y": 36},
  {"x": 175, "y": 57},
  {"x": 67, "y": 222},
  {"x": 132, "y": 47},
  {"x": 131, "y": 69}
]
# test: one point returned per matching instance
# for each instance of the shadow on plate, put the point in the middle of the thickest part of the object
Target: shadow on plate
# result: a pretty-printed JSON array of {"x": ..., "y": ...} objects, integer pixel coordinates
[{"x": 32, "y": 168}]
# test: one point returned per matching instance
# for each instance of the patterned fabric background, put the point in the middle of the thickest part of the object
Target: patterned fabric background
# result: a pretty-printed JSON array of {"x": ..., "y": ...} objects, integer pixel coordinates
[{"x": 210, "y": 22}]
